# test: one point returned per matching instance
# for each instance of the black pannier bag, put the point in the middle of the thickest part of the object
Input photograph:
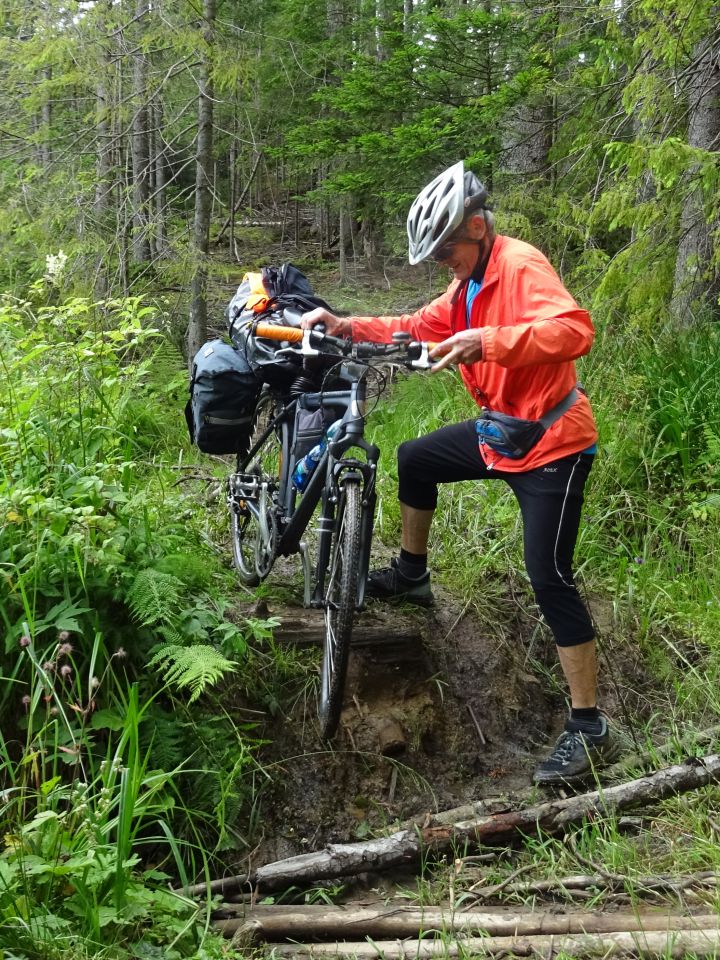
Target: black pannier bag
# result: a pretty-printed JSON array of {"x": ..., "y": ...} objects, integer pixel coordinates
[
  {"x": 289, "y": 287},
  {"x": 274, "y": 295},
  {"x": 223, "y": 396}
]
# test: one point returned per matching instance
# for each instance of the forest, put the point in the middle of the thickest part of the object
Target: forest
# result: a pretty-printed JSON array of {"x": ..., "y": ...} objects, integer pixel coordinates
[{"x": 158, "y": 727}]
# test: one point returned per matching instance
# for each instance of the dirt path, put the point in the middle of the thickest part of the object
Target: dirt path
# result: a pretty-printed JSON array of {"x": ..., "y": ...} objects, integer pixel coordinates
[{"x": 437, "y": 714}]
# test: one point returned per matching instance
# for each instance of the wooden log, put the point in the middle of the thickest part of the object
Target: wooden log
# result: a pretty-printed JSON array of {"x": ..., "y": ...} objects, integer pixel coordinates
[
  {"x": 320, "y": 922},
  {"x": 554, "y": 816},
  {"x": 406, "y": 846},
  {"x": 310, "y": 631},
  {"x": 677, "y": 943}
]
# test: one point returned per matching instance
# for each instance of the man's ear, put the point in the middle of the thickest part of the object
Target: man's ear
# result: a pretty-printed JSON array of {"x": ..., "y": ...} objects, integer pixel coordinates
[{"x": 476, "y": 226}]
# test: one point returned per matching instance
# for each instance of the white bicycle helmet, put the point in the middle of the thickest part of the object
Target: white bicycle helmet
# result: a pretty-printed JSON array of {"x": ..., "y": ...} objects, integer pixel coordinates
[{"x": 440, "y": 208}]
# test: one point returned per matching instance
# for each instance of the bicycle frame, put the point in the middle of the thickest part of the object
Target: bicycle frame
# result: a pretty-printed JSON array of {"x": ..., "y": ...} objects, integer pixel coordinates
[{"x": 324, "y": 484}]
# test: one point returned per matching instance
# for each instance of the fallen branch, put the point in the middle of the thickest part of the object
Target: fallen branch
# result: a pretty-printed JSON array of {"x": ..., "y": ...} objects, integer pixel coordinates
[
  {"x": 679, "y": 943},
  {"x": 239, "y": 201},
  {"x": 596, "y": 882},
  {"x": 318, "y": 922},
  {"x": 407, "y": 846}
]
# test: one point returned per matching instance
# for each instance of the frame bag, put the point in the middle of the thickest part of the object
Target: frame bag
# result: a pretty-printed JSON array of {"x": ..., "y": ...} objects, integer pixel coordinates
[{"x": 223, "y": 395}]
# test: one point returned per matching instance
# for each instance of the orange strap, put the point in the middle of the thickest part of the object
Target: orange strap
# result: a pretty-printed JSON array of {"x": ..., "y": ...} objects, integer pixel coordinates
[{"x": 274, "y": 332}]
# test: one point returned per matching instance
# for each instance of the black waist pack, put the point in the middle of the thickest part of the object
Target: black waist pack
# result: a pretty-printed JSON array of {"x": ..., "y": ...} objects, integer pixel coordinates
[
  {"x": 223, "y": 397},
  {"x": 513, "y": 437}
]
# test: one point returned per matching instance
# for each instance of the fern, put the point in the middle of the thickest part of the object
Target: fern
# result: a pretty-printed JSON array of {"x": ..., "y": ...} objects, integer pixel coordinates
[
  {"x": 194, "y": 571},
  {"x": 191, "y": 668},
  {"x": 155, "y": 597}
]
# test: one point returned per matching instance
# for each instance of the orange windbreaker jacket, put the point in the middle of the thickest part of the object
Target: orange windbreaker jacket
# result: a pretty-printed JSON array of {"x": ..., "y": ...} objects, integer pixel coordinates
[{"x": 532, "y": 331}]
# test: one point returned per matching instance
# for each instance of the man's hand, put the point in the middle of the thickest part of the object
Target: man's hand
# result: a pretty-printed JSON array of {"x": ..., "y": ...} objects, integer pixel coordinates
[
  {"x": 463, "y": 347},
  {"x": 335, "y": 326}
]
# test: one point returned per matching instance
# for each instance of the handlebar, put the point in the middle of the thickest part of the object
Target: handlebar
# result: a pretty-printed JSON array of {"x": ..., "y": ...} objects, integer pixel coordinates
[
  {"x": 413, "y": 353},
  {"x": 274, "y": 331}
]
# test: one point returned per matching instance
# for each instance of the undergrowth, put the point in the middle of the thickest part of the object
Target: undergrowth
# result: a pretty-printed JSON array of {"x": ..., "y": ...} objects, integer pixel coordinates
[{"x": 122, "y": 764}]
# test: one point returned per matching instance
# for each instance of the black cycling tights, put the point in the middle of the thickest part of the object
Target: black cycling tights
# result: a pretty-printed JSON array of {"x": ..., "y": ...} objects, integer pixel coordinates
[{"x": 550, "y": 499}]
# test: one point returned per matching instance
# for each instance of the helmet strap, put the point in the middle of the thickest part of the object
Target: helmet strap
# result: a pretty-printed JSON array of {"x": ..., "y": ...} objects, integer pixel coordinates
[{"x": 478, "y": 273}]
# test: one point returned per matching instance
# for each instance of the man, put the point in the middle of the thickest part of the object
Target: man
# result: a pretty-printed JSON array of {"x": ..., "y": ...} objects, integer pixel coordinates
[{"x": 514, "y": 331}]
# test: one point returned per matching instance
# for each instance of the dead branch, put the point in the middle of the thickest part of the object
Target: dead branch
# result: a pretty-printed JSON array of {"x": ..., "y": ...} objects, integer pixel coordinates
[
  {"x": 596, "y": 882},
  {"x": 240, "y": 199},
  {"x": 406, "y": 846}
]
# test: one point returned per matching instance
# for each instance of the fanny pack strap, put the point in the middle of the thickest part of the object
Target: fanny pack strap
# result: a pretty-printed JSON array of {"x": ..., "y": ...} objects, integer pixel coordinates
[{"x": 559, "y": 409}]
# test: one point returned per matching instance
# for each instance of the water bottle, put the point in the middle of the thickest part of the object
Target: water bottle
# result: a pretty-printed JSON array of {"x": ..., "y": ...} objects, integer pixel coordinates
[{"x": 305, "y": 467}]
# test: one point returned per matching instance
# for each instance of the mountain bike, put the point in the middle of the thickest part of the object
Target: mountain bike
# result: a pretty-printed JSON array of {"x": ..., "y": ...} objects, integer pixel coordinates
[{"x": 269, "y": 516}]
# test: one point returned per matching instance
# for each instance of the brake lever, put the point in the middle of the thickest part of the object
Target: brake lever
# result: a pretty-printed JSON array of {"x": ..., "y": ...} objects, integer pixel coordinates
[{"x": 288, "y": 351}]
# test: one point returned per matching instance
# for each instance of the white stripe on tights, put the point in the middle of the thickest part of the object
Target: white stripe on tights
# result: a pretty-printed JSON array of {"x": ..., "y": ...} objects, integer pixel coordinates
[{"x": 562, "y": 514}]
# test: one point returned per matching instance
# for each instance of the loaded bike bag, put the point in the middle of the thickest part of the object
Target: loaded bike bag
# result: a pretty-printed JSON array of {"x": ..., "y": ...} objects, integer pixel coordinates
[
  {"x": 223, "y": 395},
  {"x": 514, "y": 437}
]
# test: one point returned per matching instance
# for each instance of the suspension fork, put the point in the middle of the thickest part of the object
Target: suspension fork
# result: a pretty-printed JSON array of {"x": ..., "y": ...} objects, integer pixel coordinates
[{"x": 337, "y": 471}]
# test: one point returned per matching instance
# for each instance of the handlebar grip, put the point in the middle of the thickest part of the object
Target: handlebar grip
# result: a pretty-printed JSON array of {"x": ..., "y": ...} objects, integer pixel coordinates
[{"x": 273, "y": 331}]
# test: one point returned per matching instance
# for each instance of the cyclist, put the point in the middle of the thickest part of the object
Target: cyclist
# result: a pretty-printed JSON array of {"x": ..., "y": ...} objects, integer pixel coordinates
[{"x": 514, "y": 331}]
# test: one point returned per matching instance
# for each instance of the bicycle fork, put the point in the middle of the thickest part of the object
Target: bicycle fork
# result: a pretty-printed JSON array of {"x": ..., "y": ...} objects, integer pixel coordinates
[{"x": 339, "y": 471}]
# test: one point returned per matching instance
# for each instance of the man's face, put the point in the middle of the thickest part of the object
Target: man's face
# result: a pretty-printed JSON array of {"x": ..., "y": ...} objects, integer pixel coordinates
[{"x": 462, "y": 251}]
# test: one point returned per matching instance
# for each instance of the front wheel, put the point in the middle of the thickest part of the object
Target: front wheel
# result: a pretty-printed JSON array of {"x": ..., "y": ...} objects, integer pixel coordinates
[{"x": 340, "y": 601}]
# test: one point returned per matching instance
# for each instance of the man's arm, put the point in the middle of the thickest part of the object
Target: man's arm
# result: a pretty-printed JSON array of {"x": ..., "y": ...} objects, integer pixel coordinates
[
  {"x": 548, "y": 327},
  {"x": 431, "y": 322}
]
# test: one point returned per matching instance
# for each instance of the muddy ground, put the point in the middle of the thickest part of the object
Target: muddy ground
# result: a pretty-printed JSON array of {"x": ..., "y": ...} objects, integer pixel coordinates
[{"x": 439, "y": 711}]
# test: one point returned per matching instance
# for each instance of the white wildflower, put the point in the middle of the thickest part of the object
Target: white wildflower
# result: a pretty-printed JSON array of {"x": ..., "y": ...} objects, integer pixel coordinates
[{"x": 55, "y": 266}]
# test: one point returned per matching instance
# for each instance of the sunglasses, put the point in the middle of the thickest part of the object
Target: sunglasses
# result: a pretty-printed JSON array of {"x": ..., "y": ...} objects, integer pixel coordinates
[{"x": 447, "y": 249}]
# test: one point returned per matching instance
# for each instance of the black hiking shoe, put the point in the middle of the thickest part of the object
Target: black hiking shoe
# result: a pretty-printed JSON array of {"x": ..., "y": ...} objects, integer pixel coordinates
[
  {"x": 390, "y": 584},
  {"x": 577, "y": 754}
]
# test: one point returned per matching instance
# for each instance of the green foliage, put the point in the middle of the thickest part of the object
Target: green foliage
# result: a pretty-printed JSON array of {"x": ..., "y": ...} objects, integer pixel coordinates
[
  {"x": 100, "y": 559},
  {"x": 191, "y": 668},
  {"x": 79, "y": 814},
  {"x": 155, "y": 597}
]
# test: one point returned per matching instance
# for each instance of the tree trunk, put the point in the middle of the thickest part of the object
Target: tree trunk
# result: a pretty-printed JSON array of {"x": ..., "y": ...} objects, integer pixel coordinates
[
  {"x": 159, "y": 179},
  {"x": 342, "y": 240},
  {"x": 46, "y": 120},
  {"x": 697, "y": 279},
  {"x": 197, "y": 329},
  {"x": 233, "y": 188},
  {"x": 140, "y": 150}
]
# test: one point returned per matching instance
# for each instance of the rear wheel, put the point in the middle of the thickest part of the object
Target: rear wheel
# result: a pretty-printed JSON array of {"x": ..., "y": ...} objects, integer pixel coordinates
[
  {"x": 254, "y": 532},
  {"x": 340, "y": 601}
]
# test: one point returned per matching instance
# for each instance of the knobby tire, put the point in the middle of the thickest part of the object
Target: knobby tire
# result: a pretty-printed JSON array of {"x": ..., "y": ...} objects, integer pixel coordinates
[{"x": 340, "y": 598}]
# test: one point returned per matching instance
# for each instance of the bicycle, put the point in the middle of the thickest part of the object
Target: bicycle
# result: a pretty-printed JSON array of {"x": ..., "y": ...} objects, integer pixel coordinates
[{"x": 269, "y": 516}]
